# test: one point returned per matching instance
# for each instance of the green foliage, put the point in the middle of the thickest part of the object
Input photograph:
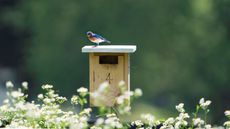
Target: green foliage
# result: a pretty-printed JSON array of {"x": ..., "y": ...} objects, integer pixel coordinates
[{"x": 181, "y": 45}]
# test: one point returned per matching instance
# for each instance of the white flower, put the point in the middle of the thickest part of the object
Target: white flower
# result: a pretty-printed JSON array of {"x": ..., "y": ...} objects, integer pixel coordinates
[
  {"x": 177, "y": 125},
  {"x": 82, "y": 90},
  {"x": 112, "y": 122},
  {"x": 52, "y": 94},
  {"x": 158, "y": 122},
  {"x": 40, "y": 96},
  {"x": 180, "y": 107},
  {"x": 201, "y": 100},
  {"x": 95, "y": 94},
  {"x": 61, "y": 99},
  {"x": 47, "y": 101},
  {"x": 25, "y": 85},
  {"x": 227, "y": 123},
  {"x": 20, "y": 106},
  {"x": 47, "y": 86},
  {"x": 167, "y": 127},
  {"x": 120, "y": 100},
  {"x": 95, "y": 127},
  {"x": 103, "y": 87},
  {"x": 83, "y": 119},
  {"x": 74, "y": 100},
  {"x": 183, "y": 116},
  {"x": 16, "y": 94},
  {"x": 87, "y": 111},
  {"x": 99, "y": 121},
  {"x": 169, "y": 121},
  {"x": 148, "y": 118},
  {"x": 4, "y": 108},
  {"x": 32, "y": 111},
  {"x": 127, "y": 94},
  {"x": 138, "y": 92},
  {"x": 121, "y": 83},
  {"x": 137, "y": 123},
  {"x": 227, "y": 113},
  {"x": 180, "y": 123},
  {"x": 127, "y": 108},
  {"x": 6, "y": 101},
  {"x": 208, "y": 126},
  {"x": 198, "y": 122},
  {"x": 204, "y": 104},
  {"x": 9, "y": 84},
  {"x": 111, "y": 115}
]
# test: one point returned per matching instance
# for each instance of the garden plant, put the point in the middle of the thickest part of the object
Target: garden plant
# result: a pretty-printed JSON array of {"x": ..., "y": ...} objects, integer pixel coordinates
[{"x": 48, "y": 111}]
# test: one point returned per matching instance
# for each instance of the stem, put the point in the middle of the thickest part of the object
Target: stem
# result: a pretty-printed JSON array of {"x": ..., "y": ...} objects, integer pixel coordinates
[
  {"x": 197, "y": 110},
  {"x": 115, "y": 111},
  {"x": 82, "y": 106},
  {"x": 196, "y": 114},
  {"x": 205, "y": 116}
]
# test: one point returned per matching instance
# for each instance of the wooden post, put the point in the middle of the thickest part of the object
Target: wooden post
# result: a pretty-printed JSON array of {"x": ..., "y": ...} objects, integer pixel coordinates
[{"x": 109, "y": 63}]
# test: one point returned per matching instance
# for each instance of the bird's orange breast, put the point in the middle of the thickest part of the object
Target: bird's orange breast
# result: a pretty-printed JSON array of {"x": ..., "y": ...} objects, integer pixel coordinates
[{"x": 92, "y": 39}]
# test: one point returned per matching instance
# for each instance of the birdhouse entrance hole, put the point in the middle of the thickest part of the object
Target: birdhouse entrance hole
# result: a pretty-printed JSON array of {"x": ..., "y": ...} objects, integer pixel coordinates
[{"x": 108, "y": 59}]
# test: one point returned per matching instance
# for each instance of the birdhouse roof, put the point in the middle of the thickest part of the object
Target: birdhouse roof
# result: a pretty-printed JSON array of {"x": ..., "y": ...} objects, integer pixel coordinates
[{"x": 109, "y": 49}]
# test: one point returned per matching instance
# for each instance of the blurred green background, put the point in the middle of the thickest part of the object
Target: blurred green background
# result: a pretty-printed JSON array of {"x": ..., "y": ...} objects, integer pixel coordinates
[{"x": 183, "y": 47}]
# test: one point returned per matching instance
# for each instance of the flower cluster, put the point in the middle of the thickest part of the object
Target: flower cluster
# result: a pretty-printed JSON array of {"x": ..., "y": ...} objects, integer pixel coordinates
[
  {"x": 204, "y": 104},
  {"x": 110, "y": 122},
  {"x": 227, "y": 123},
  {"x": 47, "y": 112},
  {"x": 182, "y": 121},
  {"x": 17, "y": 112}
]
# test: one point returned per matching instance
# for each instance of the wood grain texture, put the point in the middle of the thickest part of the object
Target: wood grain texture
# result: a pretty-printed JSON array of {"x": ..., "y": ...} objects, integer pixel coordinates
[{"x": 112, "y": 73}]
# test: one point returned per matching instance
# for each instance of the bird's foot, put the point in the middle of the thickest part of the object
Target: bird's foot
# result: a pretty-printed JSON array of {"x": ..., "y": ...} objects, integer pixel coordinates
[{"x": 95, "y": 45}]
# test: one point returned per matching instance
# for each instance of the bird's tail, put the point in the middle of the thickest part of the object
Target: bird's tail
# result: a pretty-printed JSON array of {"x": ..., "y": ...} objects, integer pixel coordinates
[{"x": 107, "y": 41}]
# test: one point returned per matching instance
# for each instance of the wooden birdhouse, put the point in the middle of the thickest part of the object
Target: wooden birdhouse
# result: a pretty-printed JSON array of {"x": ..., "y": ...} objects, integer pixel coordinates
[{"x": 109, "y": 63}]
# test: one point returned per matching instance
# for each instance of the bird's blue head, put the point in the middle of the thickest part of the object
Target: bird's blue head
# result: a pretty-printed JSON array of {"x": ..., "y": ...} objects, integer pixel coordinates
[{"x": 89, "y": 33}]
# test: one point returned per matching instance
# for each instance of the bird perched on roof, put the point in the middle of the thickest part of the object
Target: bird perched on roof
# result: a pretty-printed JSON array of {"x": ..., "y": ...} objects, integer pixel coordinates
[{"x": 95, "y": 38}]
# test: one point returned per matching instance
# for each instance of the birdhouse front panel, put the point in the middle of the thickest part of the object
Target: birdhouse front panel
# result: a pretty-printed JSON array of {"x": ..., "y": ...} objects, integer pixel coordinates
[
  {"x": 110, "y": 64},
  {"x": 111, "y": 68}
]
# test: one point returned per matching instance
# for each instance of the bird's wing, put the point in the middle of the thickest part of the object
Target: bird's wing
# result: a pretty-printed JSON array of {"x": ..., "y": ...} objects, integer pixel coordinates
[{"x": 98, "y": 36}]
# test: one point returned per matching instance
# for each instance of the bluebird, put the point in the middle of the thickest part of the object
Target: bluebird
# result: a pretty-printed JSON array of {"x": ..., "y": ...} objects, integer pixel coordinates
[{"x": 95, "y": 38}]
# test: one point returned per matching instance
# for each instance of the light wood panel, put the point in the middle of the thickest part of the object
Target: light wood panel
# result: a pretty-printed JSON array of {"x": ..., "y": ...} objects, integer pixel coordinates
[{"x": 112, "y": 73}]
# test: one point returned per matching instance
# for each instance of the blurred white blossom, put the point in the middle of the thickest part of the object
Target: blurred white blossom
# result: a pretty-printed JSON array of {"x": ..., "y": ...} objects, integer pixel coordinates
[
  {"x": 16, "y": 94},
  {"x": 138, "y": 92},
  {"x": 18, "y": 113},
  {"x": 137, "y": 123},
  {"x": 227, "y": 124},
  {"x": 40, "y": 96},
  {"x": 121, "y": 83},
  {"x": 208, "y": 126},
  {"x": 47, "y": 86},
  {"x": 103, "y": 87},
  {"x": 82, "y": 90},
  {"x": 169, "y": 121},
  {"x": 74, "y": 100},
  {"x": 198, "y": 122},
  {"x": 87, "y": 111},
  {"x": 204, "y": 104},
  {"x": 148, "y": 119},
  {"x": 9, "y": 84},
  {"x": 99, "y": 121},
  {"x": 25, "y": 85},
  {"x": 227, "y": 113},
  {"x": 180, "y": 107}
]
